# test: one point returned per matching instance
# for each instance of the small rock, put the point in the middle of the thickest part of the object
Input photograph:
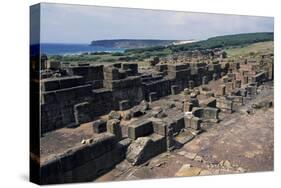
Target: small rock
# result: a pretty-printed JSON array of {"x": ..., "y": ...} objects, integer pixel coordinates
[
  {"x": 193, "y": 95},
  {"x": 87, "y": 141},
  {"x": 221, "y": 163},
  {"x": 160, "y": 164},
  {"x": 144, "y": 106},
  {"x": 227, "y": 164},
  {"x": 170, "y": 105},
  {"x": 205, "y": 173},
  {"x": 198, "y": 158},
  {"x": 114, "y": 115},
  {"x": 182, "y": 153},
  {"x": 187, "y": 170},
  {"x": 190, "y": 156},
  {"x": 127, "y": 115},
  {"x": 242, "y": 170}
]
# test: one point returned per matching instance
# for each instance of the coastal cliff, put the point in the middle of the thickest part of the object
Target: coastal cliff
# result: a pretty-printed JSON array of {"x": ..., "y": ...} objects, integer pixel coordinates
[{"x": 132, "y": 43}]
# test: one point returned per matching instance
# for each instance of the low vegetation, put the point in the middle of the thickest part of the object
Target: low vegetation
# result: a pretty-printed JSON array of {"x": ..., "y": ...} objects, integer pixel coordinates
[{"x": 233, "y": 44}]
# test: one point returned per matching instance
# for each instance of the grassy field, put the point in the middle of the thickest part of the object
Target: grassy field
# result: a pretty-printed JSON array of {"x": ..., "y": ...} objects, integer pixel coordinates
[{"x": 251, "y": 50}]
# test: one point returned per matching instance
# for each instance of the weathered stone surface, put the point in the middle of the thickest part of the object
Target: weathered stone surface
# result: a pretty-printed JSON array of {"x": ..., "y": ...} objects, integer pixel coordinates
[
  {"x": 90, "y": 73},
  {"x": 53, "y": 65},
  {"x": 193, "y": 123},
  {"x": 145, "y": 148},
  {"x": 127, "y": 115},
  {"x": 159, "y": 126},
  {"x": 184, "y": 137},
  {"x": 124, "y": 105},
  {"x": 50, "y": 84},
  {"x": 158, "y": 112},
  {"x": 114, "y": 115},
  {"x": 144, "y": 106},
  {"x": 99, "y": 126},
  {"x": 83, "y": 163},
  {"x": 81, "y": 113},
  {"x": 139, "y": 151},
  {"x": 140, "y": 129},
  {"x": 133, "y": 67},
  {"x": 225, "y": 105},
  {"x": 137, "y": 111},
  {"x": 153, "y": 96},
  {"x": 204, "y": 80},
  {"x": 175, "y": 89},
  {"x": 187, "y": 170},
  {"x": 187, "y": 106},
  {"x": 221, "y": 90},
  {"x": 113, "y": 127},
  {"x": 209, "y": 102},
  {"x": 262, "y": 104}
]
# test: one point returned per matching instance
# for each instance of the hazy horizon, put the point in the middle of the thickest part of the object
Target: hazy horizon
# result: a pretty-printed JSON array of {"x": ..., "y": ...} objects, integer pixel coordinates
[{"x": 80, "y": 24}]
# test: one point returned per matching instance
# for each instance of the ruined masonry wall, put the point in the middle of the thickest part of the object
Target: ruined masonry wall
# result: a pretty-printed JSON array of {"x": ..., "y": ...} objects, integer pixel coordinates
[{"x": 59, "y": 96}]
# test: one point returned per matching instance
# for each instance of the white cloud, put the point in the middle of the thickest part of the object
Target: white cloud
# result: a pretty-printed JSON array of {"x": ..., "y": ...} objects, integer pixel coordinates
[{"x": 76, "y": 23}]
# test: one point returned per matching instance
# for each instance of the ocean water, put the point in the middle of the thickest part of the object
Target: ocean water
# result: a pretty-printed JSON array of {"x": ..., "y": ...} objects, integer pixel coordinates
[{"x": 70, "y": 49}]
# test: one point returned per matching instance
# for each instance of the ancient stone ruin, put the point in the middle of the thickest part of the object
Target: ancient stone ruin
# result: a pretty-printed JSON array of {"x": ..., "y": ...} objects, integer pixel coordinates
[{"x": 135, "y": 115}]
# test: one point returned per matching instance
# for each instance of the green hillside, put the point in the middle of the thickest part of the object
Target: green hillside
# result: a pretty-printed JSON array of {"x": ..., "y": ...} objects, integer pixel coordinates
[{"x": 214, "y": 42}]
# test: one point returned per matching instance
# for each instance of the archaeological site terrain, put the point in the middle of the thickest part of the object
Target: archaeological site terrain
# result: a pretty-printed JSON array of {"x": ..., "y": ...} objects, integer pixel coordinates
[{"x": 195, "y": 109}]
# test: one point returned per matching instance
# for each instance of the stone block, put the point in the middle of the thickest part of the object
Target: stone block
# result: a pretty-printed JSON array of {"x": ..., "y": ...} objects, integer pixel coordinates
[
  {"x": 99, "y": 126},
  {"x": 221, "y": 90},
  {"x": 132, "y": 66},
  {"x": 187, "y": 106},
  {"x": 145, "y": 148},
  {"x": 195, "y": 123},
  {"x": 136, "y": 111},
  {"x": 53, "y": 65},
  {"x": 82, "y": 113},
  {"x": 191, "y": 84},
  {"x": 179, "y": 122},
  {"x": 225, "y": 105},
  {"x": 245, "y": 80},
  {"x": 237, "y": 84},
  {"x": 110, "y": 73},
  {"x": 205, "y": 80},
  {"x": 161, "y": 67},
  {"x": 114, "y": 115},
  {"x": 124, "y": 105},
  {"x": 51, "y": 84},
  {"x": 159, "y": 126},
  {"x": 89, "y": 73},
  {"x": 113, "y": 127},
  {"x": 140, "y": 129},
  {"x": 176, "y": 67},
  {"x": 211, "y": 114},
  {"x": 209, "y": 102},
  {"x": 153, "y": 96},
  {"x": 175, "y": 89}
]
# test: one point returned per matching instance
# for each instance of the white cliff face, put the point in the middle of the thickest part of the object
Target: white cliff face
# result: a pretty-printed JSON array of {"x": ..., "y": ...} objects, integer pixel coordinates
[{"x": 184, "y": 42}]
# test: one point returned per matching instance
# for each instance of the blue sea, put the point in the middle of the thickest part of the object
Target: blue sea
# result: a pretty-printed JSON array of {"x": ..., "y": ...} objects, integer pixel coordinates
[{"x": 71, "y": 49}]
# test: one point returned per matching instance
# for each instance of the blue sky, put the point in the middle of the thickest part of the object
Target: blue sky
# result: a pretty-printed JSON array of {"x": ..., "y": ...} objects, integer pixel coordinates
[{"x": 62, "y": 23}]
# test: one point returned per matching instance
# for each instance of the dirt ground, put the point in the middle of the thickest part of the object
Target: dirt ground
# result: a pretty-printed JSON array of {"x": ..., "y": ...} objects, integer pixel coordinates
[{"x": 242, "y": 142}]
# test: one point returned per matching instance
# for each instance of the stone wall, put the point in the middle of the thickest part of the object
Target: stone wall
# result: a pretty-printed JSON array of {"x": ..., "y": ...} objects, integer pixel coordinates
[
  {"x": 57, "y": 107},
  {"x": 104, "y": 87},
  {"x": 84, "y": 162}
]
